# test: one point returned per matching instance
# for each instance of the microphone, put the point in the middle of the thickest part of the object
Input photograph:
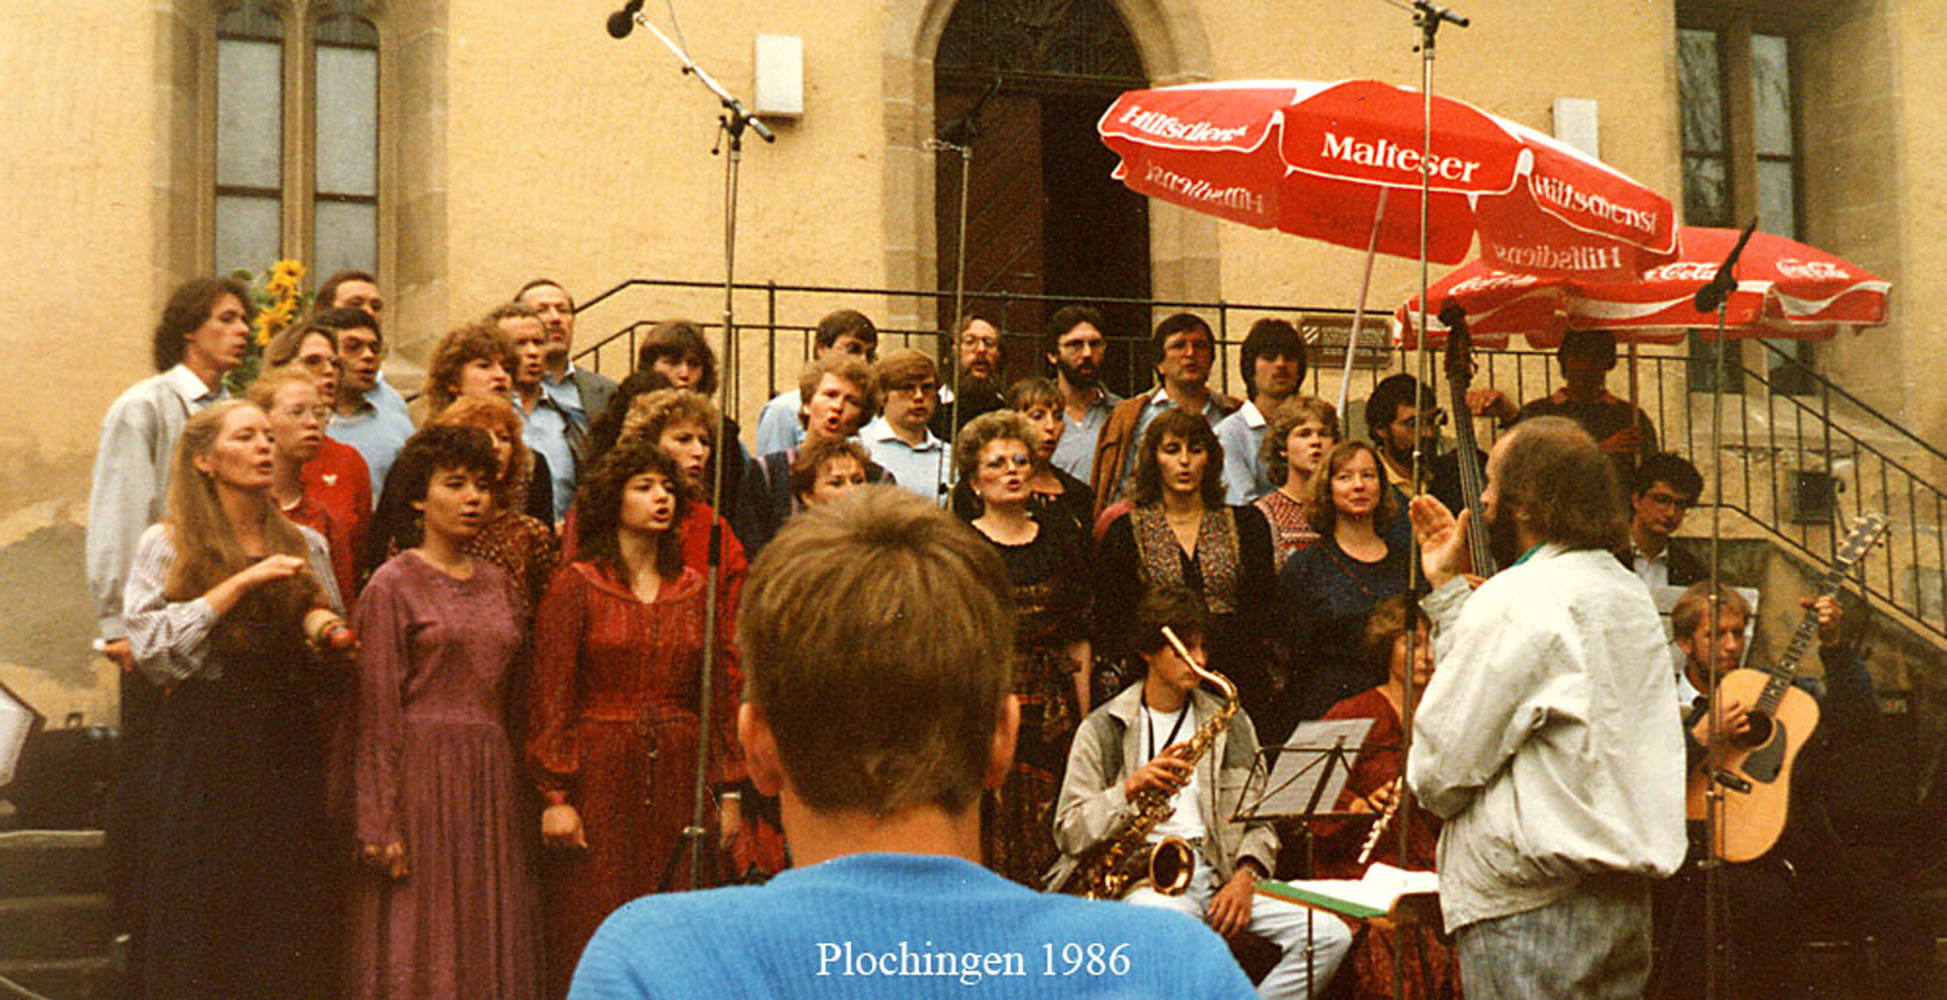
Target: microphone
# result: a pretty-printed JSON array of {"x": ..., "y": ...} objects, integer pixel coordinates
[
  {"x": 1712, "y": 295},
  {"x": 622, "y": 21}
]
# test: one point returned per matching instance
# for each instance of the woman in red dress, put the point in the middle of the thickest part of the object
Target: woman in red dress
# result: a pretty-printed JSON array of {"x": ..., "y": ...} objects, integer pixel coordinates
[
  {"x": 613, "y": 704},
  {"x": 1373, "y": 787}
]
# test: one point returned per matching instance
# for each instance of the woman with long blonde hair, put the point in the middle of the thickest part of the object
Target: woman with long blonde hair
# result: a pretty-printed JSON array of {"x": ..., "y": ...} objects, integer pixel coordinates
[{"x": 238, "y": 878}]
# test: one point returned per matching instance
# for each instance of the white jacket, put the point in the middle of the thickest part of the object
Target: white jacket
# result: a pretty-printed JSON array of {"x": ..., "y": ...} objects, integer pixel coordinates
[{"x": 1548, "y": 737}]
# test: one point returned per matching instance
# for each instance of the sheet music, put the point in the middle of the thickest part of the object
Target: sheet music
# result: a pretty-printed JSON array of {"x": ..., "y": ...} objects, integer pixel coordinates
[{"x": 1287, "y": 790}]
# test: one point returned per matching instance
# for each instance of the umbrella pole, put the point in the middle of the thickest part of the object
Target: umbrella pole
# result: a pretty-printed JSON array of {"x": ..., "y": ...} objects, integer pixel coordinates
[{"x": 1359, "y": 314}]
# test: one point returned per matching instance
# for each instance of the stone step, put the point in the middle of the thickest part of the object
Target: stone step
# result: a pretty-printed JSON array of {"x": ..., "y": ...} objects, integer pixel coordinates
[
  {"x": 63, "y": 979},
  {"x": 52, "y": 863},
  {"x": 55, "y": 927}
]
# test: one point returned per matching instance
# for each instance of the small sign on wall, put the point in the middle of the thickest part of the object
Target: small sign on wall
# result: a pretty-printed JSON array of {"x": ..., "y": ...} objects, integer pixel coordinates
[{"x": 1326, "y": 336}]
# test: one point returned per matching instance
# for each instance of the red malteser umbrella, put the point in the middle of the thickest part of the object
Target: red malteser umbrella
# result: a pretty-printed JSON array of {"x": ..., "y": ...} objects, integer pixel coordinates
[
  {"x": 1784, "y": 289},
  {"x": 1333, "y": 161}
]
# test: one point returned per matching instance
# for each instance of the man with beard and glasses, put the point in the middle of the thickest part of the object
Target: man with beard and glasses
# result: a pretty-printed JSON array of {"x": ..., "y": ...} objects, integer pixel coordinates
[
  {"x": 1075, "y": 346},
  {"x": 977, "y": 359},
  {"x": 1547, "y": 739}
]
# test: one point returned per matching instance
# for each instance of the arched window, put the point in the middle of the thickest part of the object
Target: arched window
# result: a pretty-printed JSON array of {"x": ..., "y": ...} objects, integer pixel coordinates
[{"x": 297, "y": 136}]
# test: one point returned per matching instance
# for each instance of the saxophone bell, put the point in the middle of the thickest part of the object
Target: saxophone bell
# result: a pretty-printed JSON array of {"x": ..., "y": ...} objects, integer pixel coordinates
[{"x": 1171, "y": 863}]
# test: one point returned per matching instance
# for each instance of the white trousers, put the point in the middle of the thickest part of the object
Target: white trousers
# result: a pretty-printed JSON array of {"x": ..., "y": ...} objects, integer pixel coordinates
[{"x": 1314, "y": 943}]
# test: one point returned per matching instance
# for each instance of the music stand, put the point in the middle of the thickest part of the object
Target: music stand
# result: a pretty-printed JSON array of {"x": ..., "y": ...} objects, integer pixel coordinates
[{"x": 1312, "y": 761}]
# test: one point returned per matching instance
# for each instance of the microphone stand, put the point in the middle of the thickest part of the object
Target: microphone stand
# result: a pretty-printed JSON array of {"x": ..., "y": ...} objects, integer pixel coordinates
[
  {"x": 1714, "y": 296},
  {"x": 1427, "y": 17},
  {"x": 732, "y": 123},
  {"x": 959, "y": 137}
]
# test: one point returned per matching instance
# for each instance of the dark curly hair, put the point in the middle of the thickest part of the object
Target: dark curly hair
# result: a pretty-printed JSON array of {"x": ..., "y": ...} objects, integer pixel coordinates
[
  {"x": 608, "y": 427},
  {"x": 395, "y": 525},
  {"x": 188, "y": 308},
  {"x": 1193, "y": 429},
  {"x": 598, "y": 507}
]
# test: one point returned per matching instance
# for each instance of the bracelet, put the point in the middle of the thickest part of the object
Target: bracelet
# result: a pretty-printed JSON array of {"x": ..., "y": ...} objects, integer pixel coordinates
[{"x": 731, "y": 796}]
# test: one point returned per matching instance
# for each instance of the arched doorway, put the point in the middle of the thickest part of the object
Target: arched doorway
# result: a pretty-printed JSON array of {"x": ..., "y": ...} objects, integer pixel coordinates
[{"x": 1022, "y": 83}]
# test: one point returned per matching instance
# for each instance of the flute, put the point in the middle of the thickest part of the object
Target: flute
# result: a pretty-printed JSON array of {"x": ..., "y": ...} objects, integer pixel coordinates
[{"x": 1379, "y": 826}]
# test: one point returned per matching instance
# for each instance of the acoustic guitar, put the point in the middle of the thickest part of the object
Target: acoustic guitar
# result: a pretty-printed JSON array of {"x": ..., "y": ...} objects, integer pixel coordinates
[{"x": 1754, "y": 772}]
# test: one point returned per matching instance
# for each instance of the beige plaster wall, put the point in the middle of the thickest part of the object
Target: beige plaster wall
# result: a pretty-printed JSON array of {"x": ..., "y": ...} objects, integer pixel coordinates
[
  {"x": 1514, "y": 60},
  {"x": 1919, "y": 69},
  {"x": 78, "y": 214}
]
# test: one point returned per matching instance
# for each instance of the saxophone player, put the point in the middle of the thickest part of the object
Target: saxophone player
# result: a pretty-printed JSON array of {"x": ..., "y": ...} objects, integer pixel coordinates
[{"x": 1141, "y": 745}]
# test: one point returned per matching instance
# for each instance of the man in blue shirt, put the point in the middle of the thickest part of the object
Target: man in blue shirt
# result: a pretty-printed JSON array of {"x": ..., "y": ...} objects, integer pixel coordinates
[
  {"x": 847, "y": 331},
  {"x": 877, "y": 631},
  {"x": 545, "y": 424},
  {"x": 371, "y": 416},
  {"x": 1274, "y": 367},
  {"x": 907, "y": 384},
  {"x": 580, "y": 393}
]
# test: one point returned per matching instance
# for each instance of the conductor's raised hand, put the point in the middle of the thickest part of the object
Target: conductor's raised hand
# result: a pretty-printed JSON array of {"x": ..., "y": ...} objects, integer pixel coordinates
[
  {"x": 1442, "y": 538},
  {"x": 1165, "y": 772}
]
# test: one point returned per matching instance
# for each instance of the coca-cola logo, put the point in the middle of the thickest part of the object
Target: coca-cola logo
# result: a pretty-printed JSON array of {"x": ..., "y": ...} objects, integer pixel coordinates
[
  {"x": 1683, "y": 270},
  {"x": 1492, "y": 282},
  {"x": 1812, "y": 270}
]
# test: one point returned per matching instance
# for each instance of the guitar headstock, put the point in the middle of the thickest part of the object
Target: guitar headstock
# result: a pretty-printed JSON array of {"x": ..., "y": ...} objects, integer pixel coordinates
[
  {"x": 1459, "y": 363},
  {"x": 1866, "y": 530}
]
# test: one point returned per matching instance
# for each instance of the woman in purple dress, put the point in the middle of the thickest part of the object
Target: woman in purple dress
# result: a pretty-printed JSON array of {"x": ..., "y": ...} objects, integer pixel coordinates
[{"x": 446, "y": 909}]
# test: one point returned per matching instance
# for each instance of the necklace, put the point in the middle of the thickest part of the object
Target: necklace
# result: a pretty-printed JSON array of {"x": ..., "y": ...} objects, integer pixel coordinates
[{"x": 1149, "y": 718}]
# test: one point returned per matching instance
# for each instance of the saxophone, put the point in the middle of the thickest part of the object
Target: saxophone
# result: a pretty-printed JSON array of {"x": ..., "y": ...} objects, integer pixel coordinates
[{"x": 1126, "y": 860}]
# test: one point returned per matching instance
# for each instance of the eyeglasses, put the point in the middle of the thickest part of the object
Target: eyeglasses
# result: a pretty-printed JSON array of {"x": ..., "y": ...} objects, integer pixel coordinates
[
  {"x": 1668, "y": 501},
  {"x": 1437, "y": 418},
  {"x": 916, "y": 388}
]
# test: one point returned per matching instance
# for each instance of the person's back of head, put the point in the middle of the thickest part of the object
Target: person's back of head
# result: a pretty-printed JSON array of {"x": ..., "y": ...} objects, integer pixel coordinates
[
  {"x": 877, "y": 633},
  {"x": 1555, "y": 477}
]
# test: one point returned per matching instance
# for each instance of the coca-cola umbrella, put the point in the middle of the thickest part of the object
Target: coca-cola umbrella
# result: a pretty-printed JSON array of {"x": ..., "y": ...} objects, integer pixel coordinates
[
  {"x": 1784, "y": 289},
  {"x": 1343, "y": 162}
]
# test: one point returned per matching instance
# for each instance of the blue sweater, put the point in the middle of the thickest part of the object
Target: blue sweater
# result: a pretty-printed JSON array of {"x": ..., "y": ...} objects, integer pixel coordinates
[{"x": 899, "y": 925}]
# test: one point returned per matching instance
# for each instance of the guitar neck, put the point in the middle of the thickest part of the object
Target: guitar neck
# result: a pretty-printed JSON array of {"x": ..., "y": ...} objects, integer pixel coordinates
[
  {"x": 1473, "y": 480},
  {"x": 1865, "y": 531}
]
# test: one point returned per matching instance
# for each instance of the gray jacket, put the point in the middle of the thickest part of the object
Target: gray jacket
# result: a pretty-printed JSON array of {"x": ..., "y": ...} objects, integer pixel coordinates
[{"x": 1108, "y": 748}]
